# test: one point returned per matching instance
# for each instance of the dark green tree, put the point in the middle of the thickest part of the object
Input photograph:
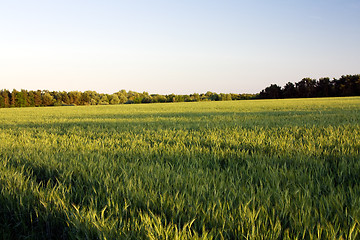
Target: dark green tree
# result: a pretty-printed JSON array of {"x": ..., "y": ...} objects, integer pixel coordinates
[
  {"x": 273, "y": 91},
  {"x": 289, "y": 91},
  {"x": 306, "y": 87},
  {"x": 324, "y": 88}
]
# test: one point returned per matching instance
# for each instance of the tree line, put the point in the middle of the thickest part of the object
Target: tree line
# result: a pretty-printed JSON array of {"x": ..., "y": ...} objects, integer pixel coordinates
[
  {"x": 40, "y": 98},
  {"x": 348, "y": 85}
]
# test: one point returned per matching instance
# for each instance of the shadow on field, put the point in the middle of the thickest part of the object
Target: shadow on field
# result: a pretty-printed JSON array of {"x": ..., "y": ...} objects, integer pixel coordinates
[
  {"x": 50, "y": 176},
  {"x": 31, "y": 213},
  {"x": 22, "y": 216}
]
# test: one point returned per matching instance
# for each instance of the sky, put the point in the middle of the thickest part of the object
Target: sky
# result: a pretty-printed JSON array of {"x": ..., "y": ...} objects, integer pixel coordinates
[{"x": 181, "y": 47}]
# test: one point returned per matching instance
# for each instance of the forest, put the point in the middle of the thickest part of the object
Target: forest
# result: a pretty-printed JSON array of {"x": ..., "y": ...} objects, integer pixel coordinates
[
  {"x": 40, "y": 98},
  {"x": 348, "y": 85}
]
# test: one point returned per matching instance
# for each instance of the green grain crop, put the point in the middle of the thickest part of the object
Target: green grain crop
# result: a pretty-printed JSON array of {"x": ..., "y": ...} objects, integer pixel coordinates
[{"x": 257, "y": 169}]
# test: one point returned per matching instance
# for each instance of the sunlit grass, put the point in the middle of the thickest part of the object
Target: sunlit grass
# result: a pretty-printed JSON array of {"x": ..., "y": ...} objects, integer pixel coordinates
[{"x": 270, "y": 169}]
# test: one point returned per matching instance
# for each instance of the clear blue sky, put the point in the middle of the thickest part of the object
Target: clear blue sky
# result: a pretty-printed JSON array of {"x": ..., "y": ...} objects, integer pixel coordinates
[{"x": 181, "y": 47}]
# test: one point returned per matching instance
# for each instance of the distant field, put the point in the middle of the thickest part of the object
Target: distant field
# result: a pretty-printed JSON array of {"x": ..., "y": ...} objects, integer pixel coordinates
[{"x": 255, "y": 169}]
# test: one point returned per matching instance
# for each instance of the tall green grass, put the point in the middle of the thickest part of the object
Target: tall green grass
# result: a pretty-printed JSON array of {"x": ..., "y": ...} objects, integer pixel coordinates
[{"x": 260, "y": 169}]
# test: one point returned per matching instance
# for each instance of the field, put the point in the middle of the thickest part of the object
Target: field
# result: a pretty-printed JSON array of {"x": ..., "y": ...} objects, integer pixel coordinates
[{"x": 256, "y": 169}]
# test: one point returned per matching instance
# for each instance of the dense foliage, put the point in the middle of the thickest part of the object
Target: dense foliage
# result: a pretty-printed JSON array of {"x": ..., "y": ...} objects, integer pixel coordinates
[
  {"x": 38, "y": 98},
  {"x": 348, "y": 85},
  {"x": 264, "y": 169}
]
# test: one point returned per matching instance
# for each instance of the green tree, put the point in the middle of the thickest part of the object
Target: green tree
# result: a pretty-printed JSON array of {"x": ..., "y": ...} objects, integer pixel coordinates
[
  {"x": 85, "y": 98},
  {"x": 114, "y": 99},
  {"x": 146, "y": 98},
  {"x": 157, "y": 98},
  {"x": 65, "y": 100},
  {"x": 179, "y": 98},
  {"x": 31, "y": 99},
  {"x": 57, "y": 98},
  {"x": 13, "y": 98},
  {"x": 225, "y": 97},
  {"x": 95, "y": 99},
  {"x": 6, "y": 96},
  {"x": 38, "y": 98},
  {"x": 104, "y": 100},
  {"x": 22, "y": 98},
  {"x": 214, "y": 97},
  {"x": 170, "y": 98},
  {"x": 47, "y": 99},
  {"x": 122, "y": 98},
  {"x": 75, "y": 97},
  {"x": 195, "y": 97},
  {"x": 2, "y": 103}
]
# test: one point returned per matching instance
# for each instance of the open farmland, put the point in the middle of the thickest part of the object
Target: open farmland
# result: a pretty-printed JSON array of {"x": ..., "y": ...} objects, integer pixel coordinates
[{"x": 270, "y": 169}]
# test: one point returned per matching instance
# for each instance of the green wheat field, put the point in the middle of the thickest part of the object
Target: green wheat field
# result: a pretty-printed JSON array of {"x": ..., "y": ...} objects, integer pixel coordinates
[{"x": 255, "y": 169}]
